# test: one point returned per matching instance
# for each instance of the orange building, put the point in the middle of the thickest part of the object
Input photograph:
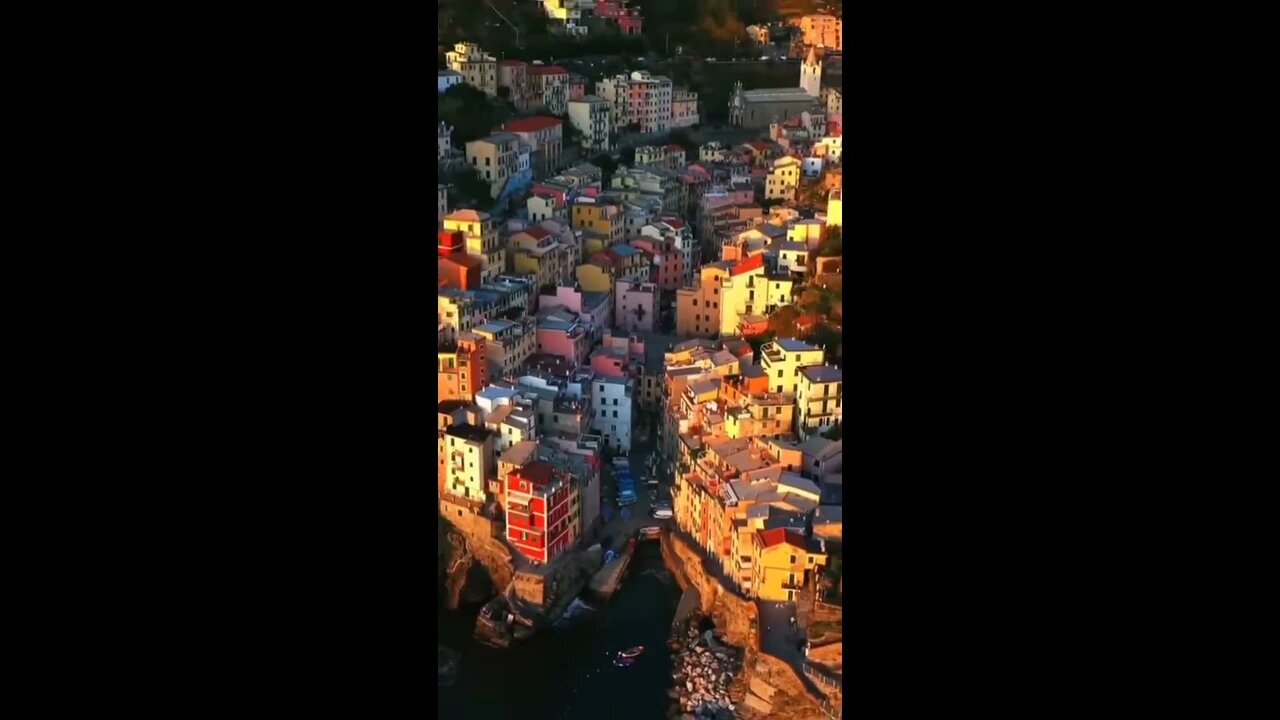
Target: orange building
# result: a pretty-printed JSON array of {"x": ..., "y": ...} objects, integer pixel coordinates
[
  {"x": 461, "y": 369},
  {"x": 459, "y": 270}
]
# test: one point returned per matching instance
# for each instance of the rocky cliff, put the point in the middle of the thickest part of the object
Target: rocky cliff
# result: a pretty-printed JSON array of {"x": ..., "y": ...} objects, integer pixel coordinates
[
  {"x": 773, "y": 689},
  {"x": 473, "y": 565}
]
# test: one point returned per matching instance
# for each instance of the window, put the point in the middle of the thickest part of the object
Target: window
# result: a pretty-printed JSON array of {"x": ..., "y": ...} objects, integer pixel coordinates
[
  {"x": 779, "y": 375},
  {"x": 810, "y": 560},
  {"x": 602, "y": 412},
  {"x": 486, "y": 162},
  {"x": 793, "y": 562}
]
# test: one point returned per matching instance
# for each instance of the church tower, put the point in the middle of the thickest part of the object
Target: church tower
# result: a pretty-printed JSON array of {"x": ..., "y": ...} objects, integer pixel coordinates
[
  {"x": 811, "y": 74},
  {"x": 737, "y": 104}
]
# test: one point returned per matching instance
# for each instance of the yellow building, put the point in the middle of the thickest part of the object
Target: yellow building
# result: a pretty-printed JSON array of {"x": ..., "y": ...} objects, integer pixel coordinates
[
  {"x": 508, "y": 343},
  {"x": 482, "y": 241},
  {"x": 807, "y": 231},
  {"x": 818, "y": 399},
  {"x": 594, "y": 277},
  {"x": 760, "y": 414},
  {"x": 698, "y": 307},
  {"x": 468, "y": 461},
  {"x": 496, "y": 158},
  {"x": 606, "y": 219},
  {"x": 782, "y": 359},
  {"x": 478, "y": 69},
  {"x": 783, "y": 179},
  {"x": 782, "y": 564},
  {"x": 835, "y": 208},
  {"x": 822, "y": 29},
  {"x": 534, "y": 251},
  {"x": 748, "y": 291}
]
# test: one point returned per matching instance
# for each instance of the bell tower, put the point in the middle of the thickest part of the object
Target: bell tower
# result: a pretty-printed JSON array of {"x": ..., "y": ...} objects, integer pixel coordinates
[{"x": 811, "y": 74}]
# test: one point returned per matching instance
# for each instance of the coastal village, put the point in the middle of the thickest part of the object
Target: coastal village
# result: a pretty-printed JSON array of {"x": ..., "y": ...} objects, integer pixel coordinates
[{"x": 640, "y": 337}]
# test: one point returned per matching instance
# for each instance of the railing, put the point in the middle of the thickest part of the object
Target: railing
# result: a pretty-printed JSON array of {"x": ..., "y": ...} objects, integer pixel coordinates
[{"x": 824, "y": 677}]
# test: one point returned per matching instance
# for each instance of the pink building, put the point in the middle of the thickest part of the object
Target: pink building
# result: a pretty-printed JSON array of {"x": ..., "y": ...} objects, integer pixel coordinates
[
  {"x": 631, "y": 23},
  {"x": 618, "y": 356},
  {"x": 637, "y": 306},
  {"x": 566, "y": 334},
  {"x": 595, "y": 307}
]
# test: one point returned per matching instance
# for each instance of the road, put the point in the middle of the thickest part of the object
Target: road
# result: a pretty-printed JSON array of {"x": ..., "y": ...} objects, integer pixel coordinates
[
  {"x": 777, "y": 636},
  {"x": 617, "y": 529}
]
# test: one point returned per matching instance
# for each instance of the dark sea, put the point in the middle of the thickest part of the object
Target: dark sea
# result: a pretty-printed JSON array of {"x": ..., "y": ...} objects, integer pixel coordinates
[{"x": 569, "y": 675}]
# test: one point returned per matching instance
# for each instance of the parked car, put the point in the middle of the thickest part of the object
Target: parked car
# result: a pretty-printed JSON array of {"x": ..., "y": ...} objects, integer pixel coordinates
[{"x": 662, "y": 513}]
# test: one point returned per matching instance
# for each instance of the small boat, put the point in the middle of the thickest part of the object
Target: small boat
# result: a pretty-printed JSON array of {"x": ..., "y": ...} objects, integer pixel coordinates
[
  {"x": 624, "y": 662},
  {"x": 631, "y": 653},
  {"x": 651, "y": 533}
]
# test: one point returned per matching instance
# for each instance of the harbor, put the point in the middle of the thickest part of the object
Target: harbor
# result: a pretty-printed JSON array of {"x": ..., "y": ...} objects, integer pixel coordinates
[{"x": 570, "y": 674}]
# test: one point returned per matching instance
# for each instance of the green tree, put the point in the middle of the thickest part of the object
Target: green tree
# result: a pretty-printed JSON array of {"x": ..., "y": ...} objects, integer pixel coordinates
[
  {"x": 782, "y": 322},
  {"x": 832, "y": 242},
  {"x": 471, "y": 113},
  {"x": 470, "y": 189}
]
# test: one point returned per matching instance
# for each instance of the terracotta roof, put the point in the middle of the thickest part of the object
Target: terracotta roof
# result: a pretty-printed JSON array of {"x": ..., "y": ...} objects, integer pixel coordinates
[
  {"x": 536, "y": 232},
  {"x": 779, "y": 536},
  {"x": 532, "y": 124},
  {"x": 511, "y": 63},
  {"x": 538, "y": 473},
  {"x": 675, "y": 147},
  {"x": 466, "y": 261},
  {"x": 547, "y": 70}
]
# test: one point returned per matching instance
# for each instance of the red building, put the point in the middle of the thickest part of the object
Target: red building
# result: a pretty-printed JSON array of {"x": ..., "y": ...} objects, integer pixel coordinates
[
  {"x": 449, "y": 242},
  {"x": 542, "y": 511}
]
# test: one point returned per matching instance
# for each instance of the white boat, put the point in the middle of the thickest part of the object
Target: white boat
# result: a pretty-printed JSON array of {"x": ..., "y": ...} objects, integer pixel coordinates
[{"x": 653, "y": 532}]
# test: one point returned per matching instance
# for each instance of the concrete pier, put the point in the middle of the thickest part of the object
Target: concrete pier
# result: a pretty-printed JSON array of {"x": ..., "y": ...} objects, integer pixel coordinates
[{"x": 605, "y": 582}]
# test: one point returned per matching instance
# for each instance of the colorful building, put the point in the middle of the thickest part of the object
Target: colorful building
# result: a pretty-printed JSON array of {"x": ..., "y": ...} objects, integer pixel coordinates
[
  {"x": 783, "y": 359},
  {"x": 477, "y": 68},
  {"x": 468, "y": 461},
  {"x": 818, "y": 399},
  {"x": 480, "y": 238},
  {"x": 543, "y": 134},
  {"x": 783, "y": 564},
  {"x": 550, "y": 84},
  {"x": 542, "y": 510},
  {"x": 461, "y": 368}
]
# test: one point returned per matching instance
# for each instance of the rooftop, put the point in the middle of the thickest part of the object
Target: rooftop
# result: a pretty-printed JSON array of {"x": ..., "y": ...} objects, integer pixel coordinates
[
  {"x": 538, "y": 473},
  {"x": 519, "y": 453},
  {"x": 467, "y": 215},
  {"x": 532, "y": 124},
  {"x": 780, "y": 536},
  {"x": 794, "y": 345},
  {"x": 469, "y": 432},
  {"x": 822, "y": 373},
  {"x": 448, "y": 407}
]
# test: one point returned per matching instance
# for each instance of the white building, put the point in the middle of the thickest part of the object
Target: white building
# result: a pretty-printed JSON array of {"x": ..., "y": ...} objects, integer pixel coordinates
[
  {"x": 591, "y": 116},
  {"x": 442, "y": 204},
  {"x": 446, "y": 79},
  {"x": 611, "y": 411}
]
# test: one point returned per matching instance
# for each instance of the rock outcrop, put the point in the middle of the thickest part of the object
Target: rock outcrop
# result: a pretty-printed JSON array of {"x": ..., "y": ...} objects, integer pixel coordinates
[
  {"x": 705, "y": 670},
  {"x": 770, "y": 688},
  {"x": 473, "y": 566}
]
